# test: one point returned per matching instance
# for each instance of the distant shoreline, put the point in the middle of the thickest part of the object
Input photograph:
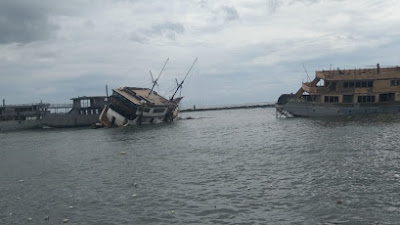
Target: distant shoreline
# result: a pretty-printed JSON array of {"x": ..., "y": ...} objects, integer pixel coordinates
[{"x": 229, "y": 107}]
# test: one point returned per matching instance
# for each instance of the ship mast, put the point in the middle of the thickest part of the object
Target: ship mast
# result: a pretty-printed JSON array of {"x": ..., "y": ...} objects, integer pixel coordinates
[
  {"x": 179, "y": 86},
  {"x": 155, "y": 82}
]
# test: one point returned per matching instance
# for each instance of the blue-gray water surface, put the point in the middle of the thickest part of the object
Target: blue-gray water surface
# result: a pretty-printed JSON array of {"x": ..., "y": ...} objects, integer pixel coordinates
[{"x": 216, "y": 167}]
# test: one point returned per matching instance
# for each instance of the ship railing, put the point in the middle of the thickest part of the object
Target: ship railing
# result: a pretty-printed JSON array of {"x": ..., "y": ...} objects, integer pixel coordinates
[
  {"x": 25, "y": 105},
  {"x": 60, "y": 106},
  {"x": 314, "y": 89}
]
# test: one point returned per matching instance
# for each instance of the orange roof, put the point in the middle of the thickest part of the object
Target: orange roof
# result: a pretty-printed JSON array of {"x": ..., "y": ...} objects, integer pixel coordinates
[{"x": 137, "y": 95}]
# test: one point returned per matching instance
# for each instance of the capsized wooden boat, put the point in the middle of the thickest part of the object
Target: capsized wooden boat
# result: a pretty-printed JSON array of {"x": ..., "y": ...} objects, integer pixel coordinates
[{"x": 136, "y": 105}]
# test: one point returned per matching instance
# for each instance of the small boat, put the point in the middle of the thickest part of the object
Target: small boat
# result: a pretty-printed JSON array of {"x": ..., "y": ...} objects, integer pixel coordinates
[
  {"x": 345, "y": 92},
  {"x": 135, "y": 105}
]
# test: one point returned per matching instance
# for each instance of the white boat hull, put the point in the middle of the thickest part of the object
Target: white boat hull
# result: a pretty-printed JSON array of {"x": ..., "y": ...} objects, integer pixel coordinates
[{"x": 112, "y": 118}]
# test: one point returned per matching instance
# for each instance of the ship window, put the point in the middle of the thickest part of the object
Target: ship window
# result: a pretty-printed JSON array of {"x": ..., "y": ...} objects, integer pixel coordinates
[
  {"x": 147, "y": 110},
  {"x": 359, "y": 84},
  {"x": 364, "y": 84},
  {"x": 331, "y": 99},
  {"x": 362, "y": 99},
  {"x": 389, "y": 97},
  {"x": 97, "y": 111},
  {"x": 85, "y": 103},
  {"x": 347, "y": 98},
  {"x": 395, "y": 83},
  {"x": 159, "y": 110}
]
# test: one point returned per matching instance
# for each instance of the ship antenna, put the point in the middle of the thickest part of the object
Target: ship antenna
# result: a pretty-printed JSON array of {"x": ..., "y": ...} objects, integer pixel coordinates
[
  {"x": 155, "y": 82},
  {"x": 308, "y": 77},
  {"x": 179, "y": 86}
]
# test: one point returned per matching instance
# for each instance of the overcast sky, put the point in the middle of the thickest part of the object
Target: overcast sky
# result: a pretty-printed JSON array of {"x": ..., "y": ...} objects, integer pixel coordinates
[{"x": 249, "y": 51}]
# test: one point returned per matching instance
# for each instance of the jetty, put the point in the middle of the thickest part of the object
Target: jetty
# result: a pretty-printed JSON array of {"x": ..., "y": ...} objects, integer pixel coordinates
[{"x": 230, "y": 107}]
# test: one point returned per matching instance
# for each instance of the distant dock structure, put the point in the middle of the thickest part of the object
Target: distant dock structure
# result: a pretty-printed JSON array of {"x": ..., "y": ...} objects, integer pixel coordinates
[{"x": 229, "y": 107}]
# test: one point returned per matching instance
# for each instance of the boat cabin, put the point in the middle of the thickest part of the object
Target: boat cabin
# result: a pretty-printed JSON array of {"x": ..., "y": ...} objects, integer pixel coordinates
[
  {"x": 132, "y": 101},
  {"x": 23, "y": 112}
]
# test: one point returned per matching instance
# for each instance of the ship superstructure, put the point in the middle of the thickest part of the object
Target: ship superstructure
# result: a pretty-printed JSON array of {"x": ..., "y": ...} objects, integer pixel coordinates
[{"x": 345, "y": 92}]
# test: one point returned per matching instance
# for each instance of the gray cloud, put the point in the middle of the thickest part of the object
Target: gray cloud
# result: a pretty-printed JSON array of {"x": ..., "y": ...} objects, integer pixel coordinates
[
  {"x": 167, "y": 30},
  {"x": 117, "y": 42},
  {"x": 307, "y": 2},
  {"x": 137, "y": 37},
  {"x": 230, "y": 13},
  {"x": 273, "y": 5},
  {"x": 24, "y": 22}
]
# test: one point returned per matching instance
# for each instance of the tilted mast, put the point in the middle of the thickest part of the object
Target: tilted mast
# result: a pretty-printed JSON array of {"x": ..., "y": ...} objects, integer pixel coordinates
[
  {"x": 156, "y": 80},
  {"x": 180, "y": 84}
]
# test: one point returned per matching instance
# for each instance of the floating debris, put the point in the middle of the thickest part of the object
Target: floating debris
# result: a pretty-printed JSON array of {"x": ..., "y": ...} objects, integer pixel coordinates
[
  {"x": 339, "y": 202},
  {"x": 21, "y": 181},
  {"x": 248, "y": 189},
  {"x": 29, "y": 219},
  {"x": 135, "y": 184},
  {"x": 65, "y": 220},
  {"x": 134, "y": 196},
  {"x": 47, "y": 218},
  {"x": 397, "y": 175},
  {"x": 71, "y": 207},
  {"x": 123, "y": 153},
  {"x": 172, "y": 211}
]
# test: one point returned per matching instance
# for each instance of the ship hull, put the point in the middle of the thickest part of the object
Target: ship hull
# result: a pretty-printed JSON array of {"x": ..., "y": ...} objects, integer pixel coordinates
[
  {"x": 11, "y": 125},
  {"x": 70, "y": 120},
  {"x": 112, "y": 118},
  {"x": 307, "y": 109}
]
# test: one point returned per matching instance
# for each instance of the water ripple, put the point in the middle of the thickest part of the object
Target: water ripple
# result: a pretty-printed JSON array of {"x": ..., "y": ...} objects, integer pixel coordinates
[{"x": 222, "y": 167}]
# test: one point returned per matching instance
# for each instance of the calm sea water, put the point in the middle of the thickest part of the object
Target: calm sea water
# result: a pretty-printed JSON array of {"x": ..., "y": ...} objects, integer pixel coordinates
[{"x": 217, "y": 167}]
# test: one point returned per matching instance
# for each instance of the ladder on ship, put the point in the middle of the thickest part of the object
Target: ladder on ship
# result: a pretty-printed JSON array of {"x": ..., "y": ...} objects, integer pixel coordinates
[{"x": 281, "y": 112}]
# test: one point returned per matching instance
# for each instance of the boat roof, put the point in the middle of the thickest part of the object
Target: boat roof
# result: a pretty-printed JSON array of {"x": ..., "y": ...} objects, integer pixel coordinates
[
  {"x": 360, "y": 74},
  {"x": 88, "y": 97},
  {"x": 138, "y": 95}
]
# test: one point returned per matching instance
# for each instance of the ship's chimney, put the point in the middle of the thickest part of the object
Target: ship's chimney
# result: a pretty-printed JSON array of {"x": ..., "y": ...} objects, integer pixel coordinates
[
  {"x": 4, "y": 103},
  {"x": 378, "y": 69}
]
